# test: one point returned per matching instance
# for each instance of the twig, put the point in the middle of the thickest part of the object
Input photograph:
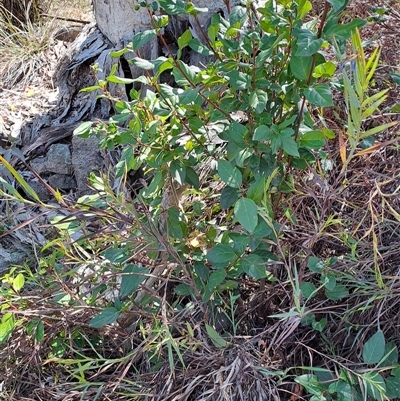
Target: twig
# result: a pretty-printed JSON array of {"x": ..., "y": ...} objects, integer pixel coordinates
[{"x": 79, "y": 21}]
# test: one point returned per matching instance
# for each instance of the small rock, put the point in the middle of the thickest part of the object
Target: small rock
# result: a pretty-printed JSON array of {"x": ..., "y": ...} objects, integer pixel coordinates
[
  {"x": 10, "y": 257},
  {"x": 59, "y": 159},
  {"x": 86, "y": 158},
  {"x": 41, "y": 191},
  {"x": 62, "y": 181}
]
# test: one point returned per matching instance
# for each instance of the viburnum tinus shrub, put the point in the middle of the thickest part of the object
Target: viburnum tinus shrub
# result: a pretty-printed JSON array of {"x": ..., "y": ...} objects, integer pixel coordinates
[{"x": 228, "y": 133}]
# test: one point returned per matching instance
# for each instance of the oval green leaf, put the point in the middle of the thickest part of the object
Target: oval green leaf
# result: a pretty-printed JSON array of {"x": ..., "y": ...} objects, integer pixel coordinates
[
  {"x": 246, "y": 213},
  {"x": 221, "y": 255},
  {"x": 229, "y": 174},
  {"x": 106, "y": 316},
  {"x": 374, "y": 348}
]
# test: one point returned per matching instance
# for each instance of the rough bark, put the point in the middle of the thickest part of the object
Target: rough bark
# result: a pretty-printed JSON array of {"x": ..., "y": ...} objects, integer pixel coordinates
[{"x": 116, "y": 23}]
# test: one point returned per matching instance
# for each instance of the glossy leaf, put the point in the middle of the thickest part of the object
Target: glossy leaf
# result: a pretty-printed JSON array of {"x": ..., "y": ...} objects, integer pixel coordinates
[
  {"x": 254, "y": 266},
  {"x": 307, "y": 42},
  {"x": 18, "y": 282},
  {"x": 216, "y": 278},
  {"x": 374, "y": 348},
  {"x": 6, "y": 326},
  {"x": 221, "y": 255},
  {"x": 256, "y": 192},
  {"x": 228, "y": 197},
  {"x": 246, "y": 213},
  {"x": 132, "y": 276},
  {"x": 178, "y": 171},
  {"x": 338, "y": 5},
  {"x": 173, "y": 7},
  {"x": 300, "y": 67},
  {"x": 374, "y": 384},
  {"x": 141, "y": 38},
  {"x": 106, "y": 316},
  {"x": 184, "y": 39},
  {"x": 258, "y": 100},
  {"x": 392, "y": 387},
  {"x": 319, "y": 95},
  {"x": 229, "y": 174}
]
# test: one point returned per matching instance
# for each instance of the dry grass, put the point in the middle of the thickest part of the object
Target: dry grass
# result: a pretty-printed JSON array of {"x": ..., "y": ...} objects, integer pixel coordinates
[{"x": 27, "y": 45}]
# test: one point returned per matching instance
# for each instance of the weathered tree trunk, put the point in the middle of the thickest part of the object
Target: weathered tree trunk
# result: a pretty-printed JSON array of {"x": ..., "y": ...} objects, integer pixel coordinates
[{"x": 117, "y": 21}]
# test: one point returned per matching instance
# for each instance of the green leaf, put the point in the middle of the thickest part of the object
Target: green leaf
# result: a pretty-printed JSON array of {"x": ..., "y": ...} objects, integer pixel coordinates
[
  {"x": 391, "y": 355},
  {"x": 392, "y": 387},
  {"x": 120, "y": 80},
  {"x": 6, "y": 326},
  {"x": 338, "y": 5},
  {"x": 341, "y": 31},
  {"x": 307, "y": 42},
  {"x": 192, "y": 177},
  {"x": 119, "y": 53},
  {"x": 256, "y": 191},
  {"x": 188, "y": 96},
  {"x": 183, "y": 290},
  {"x": 374, "y": 348},
  {"x": 254, "y": 266},
  {"x": 173, "y": 7},
  {"x": 344, "y": 390},
  {"x": 310, "y": 383},
  {"x": 184, "y": 39},
  {"x": 319, "y": 325},
  {"x": 315, "y": 264},
  {"x": 161, "y": 21},
  {"x": 156, "y": 184},
  {"x": 142, "y": 63},
  {"x": 238, "y": 16},
  {"x": 262, "y": 133},
  {"x": 132, "y": 277},
  {"x": 308, "y": 290},
  {"x": 239, "y": 80},
  {"x": 258, "y": 100},
  {"x": 324, "y": 70},
  {"x": 300, "y": 67},
  {"x": 228, "y": 197},
  {"x": 216, "y": 278},
  {"x": 216, "y": 339},
  {"x": 304, "y": 7},
  {"x": 339, "y": 292},
  {"x": 141, "y": 38},
  {"x": 289, "y": 145},
  {"x": 178, "y": 171},
  {"x": 246, "y": 212},
  {"x": 88, "y": 89},
  {"x": 229, "y": 174},
  {"x": 396, "y": 78},
  {"x": 18, "y": 282},
  {"x": 176, "y": 223},
  {"x": 329, "y": 281},
  {"x": 319, "y": 95},
  {"x": 221, "y": 255},
  {"x": 198, "y": 47},
  {"x": 263, "y": 230},
  {"x": 26, "y": 187},
  {"x": 236, "y": 132},
  {"x": 313, "y": 139},
  {"x": 83, "y": 129},
  {"x": 39, "y": 334},
  {"x": 106, "y": 316},
  {"x": 374, "y": 384}
]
